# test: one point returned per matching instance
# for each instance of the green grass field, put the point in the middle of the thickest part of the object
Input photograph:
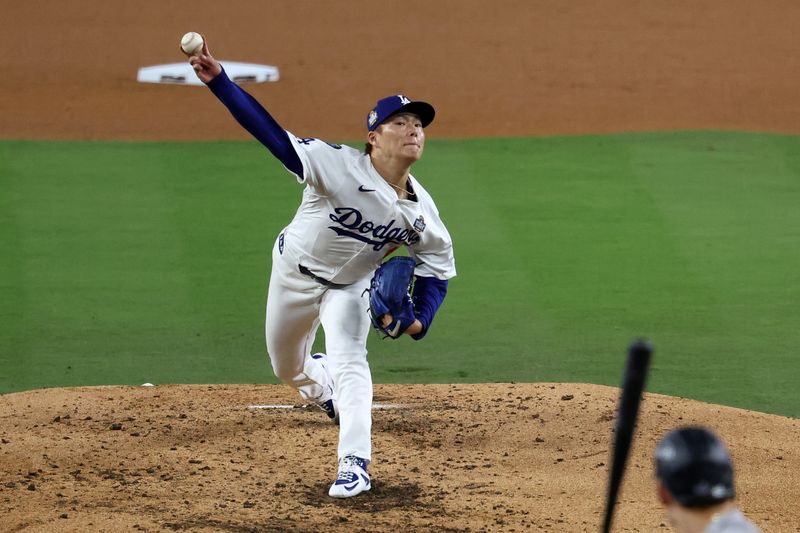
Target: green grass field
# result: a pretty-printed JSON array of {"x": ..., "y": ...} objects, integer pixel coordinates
[{"x": 123, "y": 263}]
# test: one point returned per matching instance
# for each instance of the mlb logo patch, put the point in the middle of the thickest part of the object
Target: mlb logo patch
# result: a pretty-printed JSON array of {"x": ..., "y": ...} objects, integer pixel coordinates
[{"x": 419, "y": 224}]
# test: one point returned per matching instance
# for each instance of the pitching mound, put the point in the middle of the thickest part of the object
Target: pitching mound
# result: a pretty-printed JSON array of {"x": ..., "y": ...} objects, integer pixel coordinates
[{"x": 499, "y": 457}]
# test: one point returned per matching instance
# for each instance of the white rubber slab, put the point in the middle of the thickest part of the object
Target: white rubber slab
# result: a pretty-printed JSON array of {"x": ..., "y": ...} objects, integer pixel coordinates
[
  {"x": 375, "y": 406},
  {"x": 183, "y": 74}
]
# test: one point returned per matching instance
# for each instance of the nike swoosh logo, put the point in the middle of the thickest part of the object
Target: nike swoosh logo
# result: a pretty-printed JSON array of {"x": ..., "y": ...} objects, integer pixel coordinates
[
  {"x": 362, "y": 189},
  {"x": 351, "y": 487},
  {"x": 393, "y": 333}
]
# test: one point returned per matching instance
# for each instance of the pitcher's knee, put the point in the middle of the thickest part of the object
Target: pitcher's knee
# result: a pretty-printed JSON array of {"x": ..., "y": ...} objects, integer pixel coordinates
[{"x": 288, "y": 374}]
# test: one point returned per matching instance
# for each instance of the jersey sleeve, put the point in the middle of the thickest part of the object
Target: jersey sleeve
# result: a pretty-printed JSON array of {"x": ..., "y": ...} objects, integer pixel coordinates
[
  {"x": 324, "y": 164},
  {"x": 434, "y": 250},
  {"x": 438, "y": 264}
]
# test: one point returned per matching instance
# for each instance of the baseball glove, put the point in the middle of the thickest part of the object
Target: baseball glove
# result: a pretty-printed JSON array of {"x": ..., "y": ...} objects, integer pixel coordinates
[{"x": 389, "y": 294}]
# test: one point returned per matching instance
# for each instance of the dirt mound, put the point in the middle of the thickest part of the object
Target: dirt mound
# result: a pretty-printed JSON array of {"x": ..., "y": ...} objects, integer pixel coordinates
[{"x": 499, "y": 457}]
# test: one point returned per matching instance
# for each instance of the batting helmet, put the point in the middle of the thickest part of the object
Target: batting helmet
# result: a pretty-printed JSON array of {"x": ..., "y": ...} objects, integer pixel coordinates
[{"x": 695, "y": 467}]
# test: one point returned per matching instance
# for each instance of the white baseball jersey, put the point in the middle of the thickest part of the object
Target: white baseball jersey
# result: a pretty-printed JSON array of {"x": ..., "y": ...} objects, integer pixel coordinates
[{"x": 351, "y": 218}]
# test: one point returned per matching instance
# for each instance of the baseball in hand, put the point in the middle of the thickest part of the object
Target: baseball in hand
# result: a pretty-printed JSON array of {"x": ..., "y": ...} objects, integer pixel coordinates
[{"x": 191, "y": 43}]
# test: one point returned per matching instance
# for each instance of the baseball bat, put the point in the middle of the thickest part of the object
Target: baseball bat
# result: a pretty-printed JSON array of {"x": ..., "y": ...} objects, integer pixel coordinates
[{"x": 632, "y": 386}]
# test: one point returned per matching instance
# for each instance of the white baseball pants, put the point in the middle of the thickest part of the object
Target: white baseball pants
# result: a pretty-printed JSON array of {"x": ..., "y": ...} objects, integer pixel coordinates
[{"x": 296, "y": 306}]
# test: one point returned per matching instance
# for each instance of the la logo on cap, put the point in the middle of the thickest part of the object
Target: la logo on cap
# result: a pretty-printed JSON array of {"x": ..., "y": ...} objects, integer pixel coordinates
[{"x": 403, "y": 99}]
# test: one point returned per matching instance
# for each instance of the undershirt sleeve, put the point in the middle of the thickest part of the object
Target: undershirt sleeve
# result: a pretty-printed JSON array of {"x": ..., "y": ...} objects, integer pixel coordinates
[
  {"x": 256, "y": 120},
  {"x": 427, "y": 295}
]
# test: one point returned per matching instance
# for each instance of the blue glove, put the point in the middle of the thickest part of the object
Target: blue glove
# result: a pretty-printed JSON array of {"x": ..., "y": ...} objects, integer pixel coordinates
[{"x": 389, "y": 294}]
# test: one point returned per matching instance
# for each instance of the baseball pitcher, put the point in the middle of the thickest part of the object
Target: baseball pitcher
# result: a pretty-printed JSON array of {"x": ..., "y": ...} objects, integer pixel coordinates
[{"x": 327, "y": 264}]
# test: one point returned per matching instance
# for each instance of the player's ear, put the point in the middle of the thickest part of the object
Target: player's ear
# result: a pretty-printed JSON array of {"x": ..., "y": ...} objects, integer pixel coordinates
[
  {"x": 664, "y": 497},
  {"x": 372, "y": 138}
]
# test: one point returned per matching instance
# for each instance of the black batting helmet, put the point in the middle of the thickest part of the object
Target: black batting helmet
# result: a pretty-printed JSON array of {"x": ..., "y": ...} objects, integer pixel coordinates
[{"x": 695, "y": 467}]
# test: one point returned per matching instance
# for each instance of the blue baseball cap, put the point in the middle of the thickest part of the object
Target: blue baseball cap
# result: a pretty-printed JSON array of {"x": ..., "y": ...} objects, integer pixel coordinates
[{"x": 398, "y": 103}]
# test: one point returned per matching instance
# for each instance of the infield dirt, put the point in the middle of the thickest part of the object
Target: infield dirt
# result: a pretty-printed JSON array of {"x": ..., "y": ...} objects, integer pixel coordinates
[
  {"x": 454, "y": 458},
  {"x": 498, "y": 457},
  {"x": 508, "y": 68}
]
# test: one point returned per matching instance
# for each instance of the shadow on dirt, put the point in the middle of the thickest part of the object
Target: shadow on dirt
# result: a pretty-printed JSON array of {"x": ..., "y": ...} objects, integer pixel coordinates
[{"x": 382, "y": 497}]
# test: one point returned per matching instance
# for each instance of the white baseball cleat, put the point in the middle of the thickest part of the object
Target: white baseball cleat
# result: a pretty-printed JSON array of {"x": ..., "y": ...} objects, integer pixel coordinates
[
  {"x": 327, "y": 401},
  {"x": 353, "y": 478}
]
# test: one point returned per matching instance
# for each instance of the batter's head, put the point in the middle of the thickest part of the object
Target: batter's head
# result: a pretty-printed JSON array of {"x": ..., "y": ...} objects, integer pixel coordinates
[
  {"x": 398, "y": 103},
  {"x": 694, "y": 467}
]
